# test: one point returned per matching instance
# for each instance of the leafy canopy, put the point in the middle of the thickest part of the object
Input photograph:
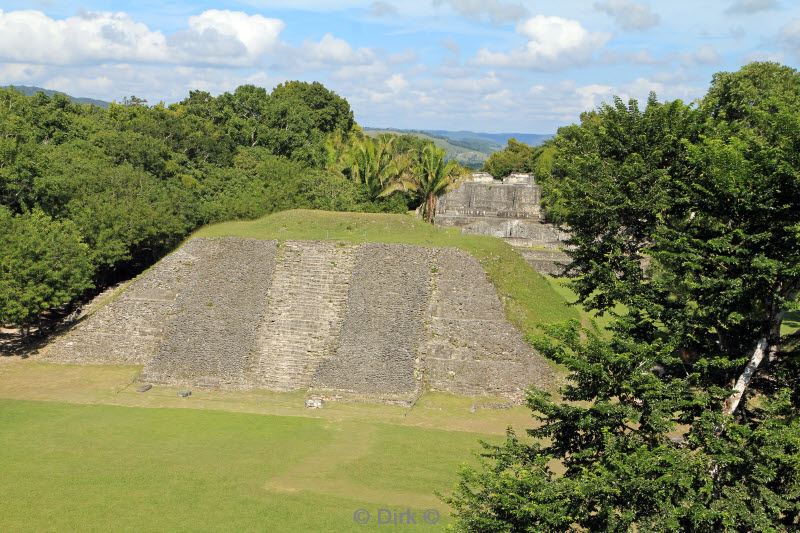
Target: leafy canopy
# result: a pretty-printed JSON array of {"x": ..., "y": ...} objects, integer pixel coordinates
[{"x": 684, "y": 415}]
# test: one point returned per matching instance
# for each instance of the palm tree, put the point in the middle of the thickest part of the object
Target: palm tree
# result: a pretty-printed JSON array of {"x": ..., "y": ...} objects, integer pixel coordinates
[
  {"x": 376, "y": 164},
  {"x": 431, "y": 176}
]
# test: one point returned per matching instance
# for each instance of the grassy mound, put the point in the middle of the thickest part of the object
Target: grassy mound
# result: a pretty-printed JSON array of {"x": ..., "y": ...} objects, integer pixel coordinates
[{"x": 530, "y": 300}]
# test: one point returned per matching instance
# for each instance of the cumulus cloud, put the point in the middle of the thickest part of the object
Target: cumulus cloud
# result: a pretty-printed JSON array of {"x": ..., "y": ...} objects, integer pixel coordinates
[
  {"x": 629, "y": 15},
  {"x": 496, "y": 11},
  {"x": 473, "y": 85},
  {"x": 232, "y": 33},
  {"x": 397, "y": 83},
  {"x": 331, "y": 50},
  {"x": 752, "y": 6},
  {"x": 33, "y": 37},
  {"x": 217, "y": 37},
  {"x": 553, "y": 43}
]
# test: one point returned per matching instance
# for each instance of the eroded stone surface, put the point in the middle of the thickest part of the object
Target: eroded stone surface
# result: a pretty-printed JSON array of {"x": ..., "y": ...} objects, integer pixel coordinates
[
  {"x": 374, "y": 320},
  {"x": 129, "y": 329},
  {"x": 383, "y": 325},
  {"x": 211, "y": 335},
  {"x": 471, "y": 347}
]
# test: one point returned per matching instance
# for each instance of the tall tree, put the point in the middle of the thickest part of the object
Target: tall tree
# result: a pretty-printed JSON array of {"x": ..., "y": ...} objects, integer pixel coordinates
[
  {"x": 376, "y": 164},
  {"x": 431, "y": 176},
  {"x": 515, "y": 157},
  {"x": 44, "y": 264},
  {"x": 689, "y": 218}
]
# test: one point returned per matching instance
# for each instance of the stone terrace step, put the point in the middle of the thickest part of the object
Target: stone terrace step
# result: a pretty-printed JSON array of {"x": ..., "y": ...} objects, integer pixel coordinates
[
  {"x": 211, "y": 335},
  {"x": 305, "y": 305},
  {"x": 383, "y": 324},
  {"x": 471, "y": 346}
]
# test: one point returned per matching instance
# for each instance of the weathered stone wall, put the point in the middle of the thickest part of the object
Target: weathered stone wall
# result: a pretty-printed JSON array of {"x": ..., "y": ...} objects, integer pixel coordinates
[
  {"x": 471, "y": 348},
  {"x": 375, "y": 320},
  {"x": 130, "y": 329},
  {"x": 383, "y": 325},
  {"x": 550, "y": 262},
  {"x": 518, "y": 232},
  {"x": 482, "y": 199},
  {"x": 509, "y": 210},
  {"x": 211, "y": 335}
]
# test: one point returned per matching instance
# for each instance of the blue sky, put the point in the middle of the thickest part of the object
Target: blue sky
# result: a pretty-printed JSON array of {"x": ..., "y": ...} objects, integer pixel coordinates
[{"x": 489, "y": 65}]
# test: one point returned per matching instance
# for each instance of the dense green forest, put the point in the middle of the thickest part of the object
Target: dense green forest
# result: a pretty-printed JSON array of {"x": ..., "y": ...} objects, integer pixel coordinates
[{"x": 91, "y": 195}]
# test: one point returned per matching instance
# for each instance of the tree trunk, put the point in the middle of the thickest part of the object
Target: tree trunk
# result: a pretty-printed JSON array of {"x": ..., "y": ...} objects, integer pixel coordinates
[
  {"x": 775, "y": 337},
  {"x": 431, "y": 207},
  {"x": 730, "y": 405}
]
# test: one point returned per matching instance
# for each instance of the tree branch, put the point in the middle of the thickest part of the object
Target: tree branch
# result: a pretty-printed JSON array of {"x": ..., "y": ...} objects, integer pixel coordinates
[{"x": 730, "y": 405}]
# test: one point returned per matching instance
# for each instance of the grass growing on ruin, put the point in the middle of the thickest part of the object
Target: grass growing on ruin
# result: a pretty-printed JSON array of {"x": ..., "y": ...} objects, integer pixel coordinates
[
  {"x": 68, "y": 467},
  {"x": 529, "y": 299}
]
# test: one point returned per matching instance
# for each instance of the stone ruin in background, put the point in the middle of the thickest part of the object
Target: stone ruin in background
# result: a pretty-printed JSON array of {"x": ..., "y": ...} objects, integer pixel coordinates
[{"x": 509, "y": 209}]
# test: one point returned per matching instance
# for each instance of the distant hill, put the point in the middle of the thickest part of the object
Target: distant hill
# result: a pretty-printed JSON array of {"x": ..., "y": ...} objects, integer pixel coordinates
[
  {"x": 501, "y": 139},
  {"x": 467, "y": 156},
  {"x": 469, "y": 148},
  {"x": 30, "y": 90}
]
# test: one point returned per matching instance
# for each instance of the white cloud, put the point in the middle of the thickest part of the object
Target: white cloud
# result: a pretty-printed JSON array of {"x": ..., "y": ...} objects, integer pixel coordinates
[
  {"x": 397, "y": 83},
  {"x": 536, "y": 90},
  {"x": 331, "y": 50},
  {"x": 20, "y": 73},
  {"x": 382, "y": 9},
  {"x": 214, "y": 37},
  {"x": 473, "y": 85},
  {"x": 629, "y": 15},
  {"x": 752, "y": 6},
  {"x": 705, "y": 55},
  {"x": 789, "y": 37},
  {"x": 553, "y": 43},
  {"x": 591, "y": 96},
  {"x": 223, "y": 35},
  {"x": 33, "y": 37},
  {"x": 495, "y": 11}
]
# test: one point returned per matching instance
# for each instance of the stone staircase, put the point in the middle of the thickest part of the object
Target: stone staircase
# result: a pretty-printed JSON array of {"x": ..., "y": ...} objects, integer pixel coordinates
[
  {"x": 305, "y": 302},
  {"x": 383, "y": 325}
]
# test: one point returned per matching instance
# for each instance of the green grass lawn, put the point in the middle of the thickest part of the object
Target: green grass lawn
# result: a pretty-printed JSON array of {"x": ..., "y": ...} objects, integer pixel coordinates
[
  {"x": 69, "y": 467},
  {"x": 530, "y": 300}
]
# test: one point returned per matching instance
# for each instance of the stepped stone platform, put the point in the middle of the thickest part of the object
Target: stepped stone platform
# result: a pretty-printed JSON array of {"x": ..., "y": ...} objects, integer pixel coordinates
[
  {"x": 374, "y": 321},
  {"x": 383, "y": 324},
  {"x": 471, "y": 350},
  {"x": 510, "y": 210},
  {"x": 129, "y": 330},
  {"x": 213, "y": 322},
  {"x": 305, "y": 310}
]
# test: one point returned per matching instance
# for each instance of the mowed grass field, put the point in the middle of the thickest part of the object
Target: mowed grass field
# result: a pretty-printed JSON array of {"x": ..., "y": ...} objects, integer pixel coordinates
[
  {"x": 68, "y": 467},
  {"x": 82, "y": 450},
  {"x": 115, "y": 460}
]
